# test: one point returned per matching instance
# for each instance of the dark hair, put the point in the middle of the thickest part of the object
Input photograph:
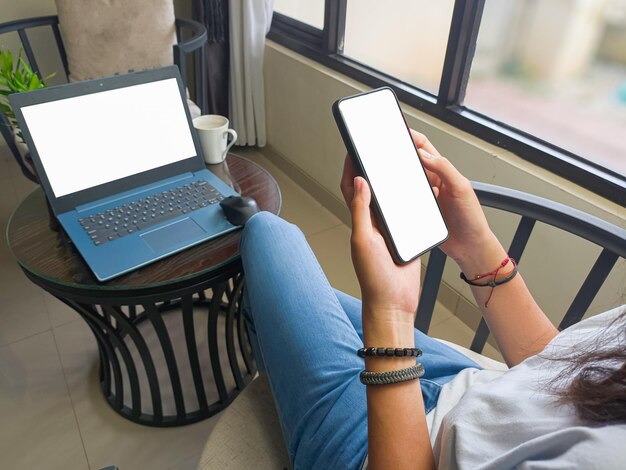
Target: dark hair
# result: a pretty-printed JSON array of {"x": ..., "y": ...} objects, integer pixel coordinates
[{"x": 593, "y": 380}]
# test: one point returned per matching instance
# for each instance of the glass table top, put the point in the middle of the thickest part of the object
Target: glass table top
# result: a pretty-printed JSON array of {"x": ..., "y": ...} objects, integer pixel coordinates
[{"x": 49, "y": 255}]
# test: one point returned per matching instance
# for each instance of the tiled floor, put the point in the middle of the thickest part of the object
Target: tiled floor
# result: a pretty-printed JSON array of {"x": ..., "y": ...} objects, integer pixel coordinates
[{"x": 52, "y": 413}]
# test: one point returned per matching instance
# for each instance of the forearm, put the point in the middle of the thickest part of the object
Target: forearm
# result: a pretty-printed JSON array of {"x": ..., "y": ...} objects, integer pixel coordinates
[
  {"x": 520, "y": 328},
  {"x": 397, "y": 431}
]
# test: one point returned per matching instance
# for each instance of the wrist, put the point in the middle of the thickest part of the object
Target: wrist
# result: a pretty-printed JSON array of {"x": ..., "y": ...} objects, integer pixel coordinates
[
  {"x": 484, "y": 258},
  {"x": 388, "y": 328},
  {"x": 388, "y": 332}
]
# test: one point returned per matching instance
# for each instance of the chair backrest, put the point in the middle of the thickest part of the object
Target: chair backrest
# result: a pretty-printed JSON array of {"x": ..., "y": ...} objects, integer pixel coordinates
[
  {"x": 611, "y": 238},
  {"x": 191, "y": 37}
]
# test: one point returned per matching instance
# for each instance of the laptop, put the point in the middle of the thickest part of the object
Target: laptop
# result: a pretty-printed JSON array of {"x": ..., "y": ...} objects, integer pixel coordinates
[{"x": 122, "y": 168}]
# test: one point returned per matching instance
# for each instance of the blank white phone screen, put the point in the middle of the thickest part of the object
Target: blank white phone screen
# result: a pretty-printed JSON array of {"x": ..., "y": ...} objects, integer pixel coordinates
[
  {"x": 394, "y": 171},
  {"x": 93, "y": 139}
]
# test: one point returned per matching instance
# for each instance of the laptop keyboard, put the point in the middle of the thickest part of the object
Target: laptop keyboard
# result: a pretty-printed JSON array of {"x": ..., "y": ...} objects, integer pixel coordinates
[{"x": 126, "y": 219}]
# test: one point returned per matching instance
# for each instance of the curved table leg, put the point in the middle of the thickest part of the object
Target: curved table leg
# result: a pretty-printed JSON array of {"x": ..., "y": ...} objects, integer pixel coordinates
[{"x": 140, "y": 357}]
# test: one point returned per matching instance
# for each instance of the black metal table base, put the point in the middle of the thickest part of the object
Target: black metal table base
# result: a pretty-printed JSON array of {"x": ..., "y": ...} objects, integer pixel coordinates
[{"x": 141, "y": 368}]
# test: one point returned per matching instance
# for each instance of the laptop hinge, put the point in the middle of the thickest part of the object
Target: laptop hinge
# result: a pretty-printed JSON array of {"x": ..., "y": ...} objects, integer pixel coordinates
[{"x": 135, "y": 193}]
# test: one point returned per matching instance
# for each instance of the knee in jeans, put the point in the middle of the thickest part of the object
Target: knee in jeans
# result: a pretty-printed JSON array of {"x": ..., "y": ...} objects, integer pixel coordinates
[
  {"x": 259, "y": 222},
  {"x": 264, "y": 224},
  {"x": 258, "y": 225}
]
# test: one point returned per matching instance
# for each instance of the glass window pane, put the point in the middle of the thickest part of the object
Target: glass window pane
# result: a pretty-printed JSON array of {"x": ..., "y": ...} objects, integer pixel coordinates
[
  {"x": 407, "y": 41},
  {"x": 310, "y": 12},
  {"x": 556, "y": 70}
]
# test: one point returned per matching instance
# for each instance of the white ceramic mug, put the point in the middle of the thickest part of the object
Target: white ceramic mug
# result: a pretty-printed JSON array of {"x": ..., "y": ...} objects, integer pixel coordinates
[{"x": 213, "y": 132}]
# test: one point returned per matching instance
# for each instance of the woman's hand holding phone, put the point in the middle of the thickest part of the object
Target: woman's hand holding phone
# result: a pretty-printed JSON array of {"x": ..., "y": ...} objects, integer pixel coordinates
[
  {"x": 517, "y": 323},
  {"x": 386, "y": 286},
  {"x": 471, "y": 243},
  {"x": 389, "y": 291}
]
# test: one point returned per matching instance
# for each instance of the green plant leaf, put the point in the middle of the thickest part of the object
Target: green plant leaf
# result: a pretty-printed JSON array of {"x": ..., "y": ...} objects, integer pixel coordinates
[
  {"x": 19, "y": 82},
  {"x": 6, "y": 62},
  {"x": 15, "y": 77},
  {"x": 25, "y": 66},
  {"x": 34, "y": 82}
]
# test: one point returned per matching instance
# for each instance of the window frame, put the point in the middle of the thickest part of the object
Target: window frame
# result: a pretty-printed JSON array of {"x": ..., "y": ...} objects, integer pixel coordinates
[{"x": 325, "y": 46}]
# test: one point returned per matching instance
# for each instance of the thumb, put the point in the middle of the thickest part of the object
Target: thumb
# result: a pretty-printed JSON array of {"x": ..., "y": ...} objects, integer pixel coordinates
[{"x": 360, "y": 208}]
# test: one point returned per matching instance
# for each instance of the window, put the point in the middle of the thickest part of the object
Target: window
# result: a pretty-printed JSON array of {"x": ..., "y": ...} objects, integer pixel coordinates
[
  {"x": 310, "y": 12},
  {"x": 400, "y": 45},
  {"x": 546, "y": 80}
]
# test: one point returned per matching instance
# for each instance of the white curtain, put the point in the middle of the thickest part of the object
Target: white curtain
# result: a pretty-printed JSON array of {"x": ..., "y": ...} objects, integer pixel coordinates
[{"x": 249, "y": 23}]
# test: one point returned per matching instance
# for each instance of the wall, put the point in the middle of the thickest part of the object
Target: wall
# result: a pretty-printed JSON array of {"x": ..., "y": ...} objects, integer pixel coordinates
[
  {"x": 303, "y": 139},
  {"x": 12, "y": 10}
]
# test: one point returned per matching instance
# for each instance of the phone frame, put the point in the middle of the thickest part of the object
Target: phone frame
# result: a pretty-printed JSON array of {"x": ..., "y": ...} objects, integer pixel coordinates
[{"x": 354, "y": 155}]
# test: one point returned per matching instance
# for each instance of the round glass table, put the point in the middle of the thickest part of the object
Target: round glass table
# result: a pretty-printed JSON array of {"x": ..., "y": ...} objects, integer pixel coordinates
[{"x": 161, "y": 330}]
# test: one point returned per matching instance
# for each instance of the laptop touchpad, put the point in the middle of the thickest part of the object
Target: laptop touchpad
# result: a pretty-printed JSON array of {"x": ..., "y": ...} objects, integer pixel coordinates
[{"x": 170, "y": 236}]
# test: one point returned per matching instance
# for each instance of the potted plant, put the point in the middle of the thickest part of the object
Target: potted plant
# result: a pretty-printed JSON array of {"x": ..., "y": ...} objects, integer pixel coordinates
[{"x": 16, "y": 76}]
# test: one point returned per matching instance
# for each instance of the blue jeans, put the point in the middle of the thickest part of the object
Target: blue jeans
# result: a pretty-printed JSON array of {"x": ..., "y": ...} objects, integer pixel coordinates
[{"x": 305, "y": 336}]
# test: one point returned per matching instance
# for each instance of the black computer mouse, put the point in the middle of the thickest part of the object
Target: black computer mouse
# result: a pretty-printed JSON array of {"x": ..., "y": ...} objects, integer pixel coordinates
[{"x": 239, "y": 209}]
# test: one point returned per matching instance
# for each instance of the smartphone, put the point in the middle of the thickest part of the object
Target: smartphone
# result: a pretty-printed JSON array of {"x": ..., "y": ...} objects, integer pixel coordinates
[{"x": 378, "y": 140}]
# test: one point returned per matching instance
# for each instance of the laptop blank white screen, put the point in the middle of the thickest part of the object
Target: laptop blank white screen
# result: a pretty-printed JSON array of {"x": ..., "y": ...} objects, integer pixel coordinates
[{"x": 93, "y": 139}]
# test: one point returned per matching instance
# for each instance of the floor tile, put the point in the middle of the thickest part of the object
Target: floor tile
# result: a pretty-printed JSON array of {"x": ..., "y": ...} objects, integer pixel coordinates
[
  {"x": 22, "y": 311},
  {"x": 448, "y": 297},
  {"x": 6, "y": 163},
  {"x": 9, "y": 267},
  {"x": 455, "y": 331},
  {"x": 109, "y": 438},
  {"x": 8, "y": 201},
  {"x": 22, "y": 185},
  {"x": 58, "y": 312},
  {"x": 332, "y": 249},
  {"x": 299, "y": 207},
  {"x": 440, "y": 314},
  {"x": 468, "y": 312},
  {"x": 39, "y": 429},
  {"x": 188, "y": 464}
]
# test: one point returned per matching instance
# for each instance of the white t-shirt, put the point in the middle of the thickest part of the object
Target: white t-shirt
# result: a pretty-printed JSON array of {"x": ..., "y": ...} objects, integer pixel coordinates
[
  {"x": 488, "y": 419},
  {"x": 500, "y": 420}
]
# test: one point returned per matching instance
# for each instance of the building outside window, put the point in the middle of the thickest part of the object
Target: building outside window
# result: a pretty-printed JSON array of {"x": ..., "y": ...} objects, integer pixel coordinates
[{"x": 556, "y": 70}]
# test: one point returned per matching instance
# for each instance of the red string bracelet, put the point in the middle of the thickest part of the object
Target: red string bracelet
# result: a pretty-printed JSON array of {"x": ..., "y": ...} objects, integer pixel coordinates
[{"x": 493, "y": 283}]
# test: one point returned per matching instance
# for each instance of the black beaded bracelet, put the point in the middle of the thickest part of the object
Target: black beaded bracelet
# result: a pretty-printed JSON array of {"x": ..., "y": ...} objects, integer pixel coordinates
[
  {"x": 389, "y": 352},
  {"x": 392, "y": 376}
]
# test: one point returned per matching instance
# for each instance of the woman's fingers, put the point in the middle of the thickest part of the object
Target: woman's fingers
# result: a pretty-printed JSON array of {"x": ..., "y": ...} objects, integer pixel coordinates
[
  {"x": 443, "y": 169},
  {"x": 433, "y": 178},
  {"x": 422, "y": 142},
  {"x": 360, "y": 207},
  {"x": 423, "y": 145},
  {"x": 347, "y": 180}
]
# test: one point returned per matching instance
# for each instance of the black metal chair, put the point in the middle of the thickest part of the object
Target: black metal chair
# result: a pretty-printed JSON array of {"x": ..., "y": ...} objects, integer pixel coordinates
[
  {"x": 191, "y": 36},
  {"x": 533, "y": 209}
]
